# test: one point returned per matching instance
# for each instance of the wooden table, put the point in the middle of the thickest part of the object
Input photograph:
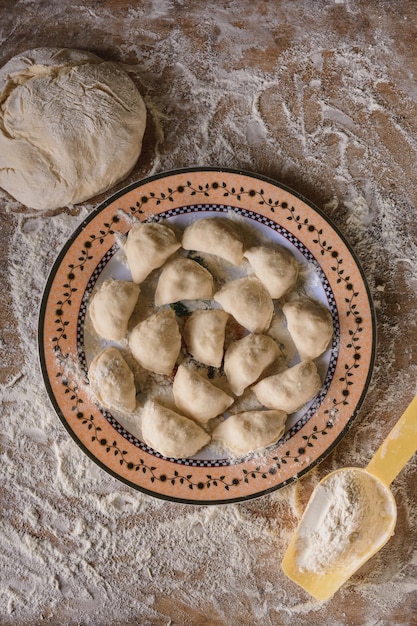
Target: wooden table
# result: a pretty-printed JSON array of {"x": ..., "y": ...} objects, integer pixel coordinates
[{"x": 322, "y": 97}]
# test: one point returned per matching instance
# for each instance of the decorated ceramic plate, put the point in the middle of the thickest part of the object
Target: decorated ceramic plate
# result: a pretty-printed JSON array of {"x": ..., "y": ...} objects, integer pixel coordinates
[{"x": 270, "y": 212}]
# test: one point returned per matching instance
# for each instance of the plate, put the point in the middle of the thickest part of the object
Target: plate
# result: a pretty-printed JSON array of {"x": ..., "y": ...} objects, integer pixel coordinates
[{"x": 275, "y": 213}]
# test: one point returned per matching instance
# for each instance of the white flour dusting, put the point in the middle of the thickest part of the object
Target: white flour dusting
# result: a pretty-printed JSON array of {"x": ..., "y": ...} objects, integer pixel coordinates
[
  {"x": 77, "y": 546},
  {"x": 346, "y": 519}
]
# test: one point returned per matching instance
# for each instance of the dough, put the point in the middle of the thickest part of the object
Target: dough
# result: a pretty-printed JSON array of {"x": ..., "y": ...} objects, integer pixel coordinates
[
  {"x": 71, "y": 126},
  {"x": 250, "y": 431},
  {"x": 156, "y": 342},
  {"x": 111, "y": 306},
  {"x": 197, "y": 397},
  {"x": 183, "y": 279},
  {"x": 215, "y": 235},
  {"x": 291, "y": 389},
  {"x": 248, "y": 301},
  {"x": 204, "y": 335},
  {"x": 275, "y": 266},
  {"x": 246, "y": 359},
  {"x": 171, "y": 434},
  {"x": 112, "y": 381},
  {"x": 148, "y": 246},
  {"x": 310, "y": 325}
]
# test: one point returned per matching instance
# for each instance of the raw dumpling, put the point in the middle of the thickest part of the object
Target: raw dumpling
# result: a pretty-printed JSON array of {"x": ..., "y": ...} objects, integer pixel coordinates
[
  {"x": 247, "y": 358},
  {"x": 204, "y": 334},
  {"x": 112, "y": 381},
  {"x": 251, "y": 430},
  {"x": 148, "y": 246},
  {"x": 171, "y": 434},
  {"x": 291, "y": 389},
  {"x": 310, "y": 325},
  {"x": 217, "y": 236},
  {"x": 111, "y": 306},
  {"x": 248, "y": 301},
  {"x": 183, "y": 279},
  {"x": 275, "y": 266},
  {"x": 156, "y": 342},
  {"x": 197, "y": 397}
]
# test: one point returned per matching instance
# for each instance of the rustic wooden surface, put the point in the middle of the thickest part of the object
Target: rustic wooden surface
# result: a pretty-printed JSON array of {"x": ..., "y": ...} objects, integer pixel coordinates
[{"x": 378, "y": 161}]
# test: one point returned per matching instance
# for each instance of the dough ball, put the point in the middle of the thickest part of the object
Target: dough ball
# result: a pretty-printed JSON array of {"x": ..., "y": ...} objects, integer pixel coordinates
[
  {"x": 249, "y": 431},
  {"x": 310, "y": 325},
  {"x": 111, "y": 307},
  {"x": 291, "y": 389},
  {"x": 156, "y": 342},
  {"x": 71, "y": 126},
  {"x": 275, "y": 266},
  {"x": 171, "y": 434},
  {"x": 246, "y": 359},
  {"x": 247, "y": 300},
  {"x": 204, "y": 335},
  {"x": 183, "y": 279},
  {"x": 197, "y": 397},
  {"x": 215, "y": 235},
  {"x": 148, "y": 246},
  {"x": 112, "y": 380}
]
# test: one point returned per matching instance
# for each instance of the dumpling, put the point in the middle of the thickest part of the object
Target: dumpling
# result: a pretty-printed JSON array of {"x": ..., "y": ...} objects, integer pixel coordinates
[
  {"x": 310, "y": 325},
  {"x": 183, "y": 279},
  {"x": 171, "y": 434},
  {"x": 291, "y": 389},
  {"x": 204, "y": 335},
  {"x": 148, "y": 246},
  {"x": 275, "y": 266},
  {"x": 112, "y": 380},
  {"x": 246, "y": 359},
  {"x": 156, "y": 342},
  {"x": 216, "y": 235},
  {"x": 250, "y": 431},
  {"x": 248, "y": 301},
  {"x": 111, "y": 306},
  {"x": 197, "y": 397}
]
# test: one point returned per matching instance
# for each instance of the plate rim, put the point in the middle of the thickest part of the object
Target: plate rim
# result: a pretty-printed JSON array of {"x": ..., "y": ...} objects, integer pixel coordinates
[{"x": 91, "y": 216}]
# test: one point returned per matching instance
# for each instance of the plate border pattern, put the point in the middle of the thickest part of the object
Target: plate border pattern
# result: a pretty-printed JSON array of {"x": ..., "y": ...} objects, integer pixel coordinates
[{"x": 216, "y": 476}]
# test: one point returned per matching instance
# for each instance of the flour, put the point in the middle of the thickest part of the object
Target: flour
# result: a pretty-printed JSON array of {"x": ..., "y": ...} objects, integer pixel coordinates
[
  {"x": 345, "y": 519},
  {"x": 77, "y": 546}
]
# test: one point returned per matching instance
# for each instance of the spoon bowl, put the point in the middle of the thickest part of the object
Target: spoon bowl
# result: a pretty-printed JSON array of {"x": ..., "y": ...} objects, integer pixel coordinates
[{"x": 350, "y": 516}]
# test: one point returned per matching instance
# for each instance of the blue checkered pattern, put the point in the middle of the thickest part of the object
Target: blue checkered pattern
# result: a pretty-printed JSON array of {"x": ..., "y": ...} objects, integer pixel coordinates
[{"x": 218, "y": 208}]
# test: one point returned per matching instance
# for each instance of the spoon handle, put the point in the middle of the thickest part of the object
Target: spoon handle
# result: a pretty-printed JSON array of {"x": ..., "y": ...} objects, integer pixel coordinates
[{"x": 398, "y": 447}]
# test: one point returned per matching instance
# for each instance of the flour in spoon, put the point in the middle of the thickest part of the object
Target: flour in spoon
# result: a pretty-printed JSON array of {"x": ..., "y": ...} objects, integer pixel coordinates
[{"x": 345, "y": 518}]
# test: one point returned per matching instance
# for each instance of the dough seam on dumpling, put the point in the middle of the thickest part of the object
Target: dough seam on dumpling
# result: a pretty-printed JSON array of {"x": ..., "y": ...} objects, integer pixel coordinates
[
  {"x": 196, "y": 397},
  {"x": 310, "y": 325},
  {"x": 250, "y": 431},
  {"x": 291, "y": 389},
  {"x": 171, "y": 434},
  {"x": 112, "y": 381},
  {"x": 275, "y": 266},
  {"x": 204, "y": 335},
  {"x": 183, "y": 279},
  {"x": 156, "y": 342},
  {"x": 215, "y": 235},
  {"x": 246, "y": 359},
  {"x": 147, "y": 247},
  {"x": 247, "y": 300},
  {"x": 111, "y": 307}
]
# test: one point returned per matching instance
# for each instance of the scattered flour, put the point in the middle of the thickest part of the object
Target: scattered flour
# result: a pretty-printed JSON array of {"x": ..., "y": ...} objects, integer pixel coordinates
[{"x": 77, "y": 546}]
